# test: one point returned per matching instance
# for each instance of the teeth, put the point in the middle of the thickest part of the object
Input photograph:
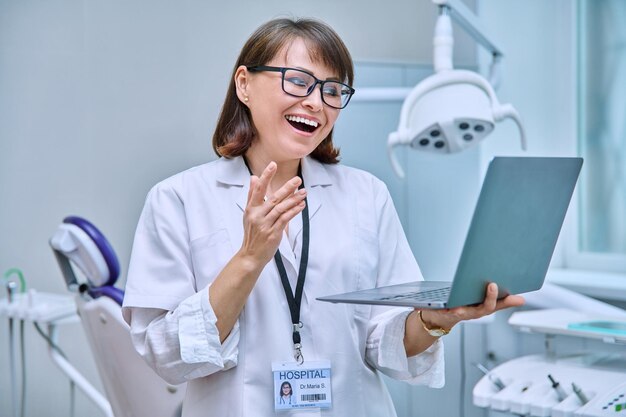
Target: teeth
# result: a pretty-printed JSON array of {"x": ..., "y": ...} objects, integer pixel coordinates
[{"x": 299, "y": 119}]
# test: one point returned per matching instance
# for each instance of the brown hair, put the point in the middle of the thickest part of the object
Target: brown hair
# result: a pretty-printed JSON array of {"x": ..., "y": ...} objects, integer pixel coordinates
[{"x": 235, "y": 132}]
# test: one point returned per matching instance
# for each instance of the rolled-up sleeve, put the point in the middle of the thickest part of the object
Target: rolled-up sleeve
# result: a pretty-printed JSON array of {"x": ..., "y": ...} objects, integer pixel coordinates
[
  {"x": 385, "y": 351},
  {"x": 172, "y": 323},
  {"x": 184, "y": 343}
]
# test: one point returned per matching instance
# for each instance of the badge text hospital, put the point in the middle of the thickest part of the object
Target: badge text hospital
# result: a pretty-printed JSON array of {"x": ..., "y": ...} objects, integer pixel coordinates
[
  {"x": 308, "y": 374},
  {"x": 302, "y": 386}
]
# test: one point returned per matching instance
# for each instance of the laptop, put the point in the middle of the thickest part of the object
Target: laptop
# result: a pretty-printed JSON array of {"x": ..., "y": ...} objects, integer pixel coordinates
[{"x": 511, "y": 238}]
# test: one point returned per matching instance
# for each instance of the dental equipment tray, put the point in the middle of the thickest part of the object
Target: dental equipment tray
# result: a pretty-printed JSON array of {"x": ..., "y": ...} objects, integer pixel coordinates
[
  {"x": 571, "y": 323},
  {"x": 40, "y": 307}
]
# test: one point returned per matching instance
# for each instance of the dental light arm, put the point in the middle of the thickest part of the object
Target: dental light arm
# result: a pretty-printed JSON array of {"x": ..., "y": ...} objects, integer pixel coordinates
[
  {"x": 466, "y": 19},
  {"x": 452, "y": 109}
]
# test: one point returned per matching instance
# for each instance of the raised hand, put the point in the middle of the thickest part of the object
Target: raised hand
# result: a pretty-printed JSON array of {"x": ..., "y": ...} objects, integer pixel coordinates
[{"x": 266, "y": 216}]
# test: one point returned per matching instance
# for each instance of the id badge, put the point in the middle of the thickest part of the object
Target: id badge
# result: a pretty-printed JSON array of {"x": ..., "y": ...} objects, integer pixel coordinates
[{"x": 301, "y": 386}]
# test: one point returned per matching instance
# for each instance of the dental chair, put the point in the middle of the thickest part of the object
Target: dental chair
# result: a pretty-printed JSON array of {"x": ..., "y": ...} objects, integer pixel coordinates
[{"x": 132, "y": 388}]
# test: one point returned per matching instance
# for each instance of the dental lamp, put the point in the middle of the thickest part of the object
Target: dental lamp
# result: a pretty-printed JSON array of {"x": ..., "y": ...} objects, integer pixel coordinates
[{"x": 451, "y": 110}]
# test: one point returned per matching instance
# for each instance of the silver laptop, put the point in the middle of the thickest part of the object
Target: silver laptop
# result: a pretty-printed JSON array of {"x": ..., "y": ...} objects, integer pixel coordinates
[{"x": 510, "y": 241}]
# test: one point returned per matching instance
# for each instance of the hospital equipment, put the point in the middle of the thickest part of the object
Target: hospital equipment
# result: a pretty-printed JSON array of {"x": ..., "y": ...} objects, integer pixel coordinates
[
  {"x": 28, "y": 306},
  {"x": 11, "y": 287},
  {"x": 539, "y": 385},
  {"x": 560, "y": 394},
  {"x": 580, "y": 394},
  {"x": 132, "y": 388},
  {"x": 497, "y": 382},
  {"x": 529, "y": 392},
  {"x": 450, "y": 110}
]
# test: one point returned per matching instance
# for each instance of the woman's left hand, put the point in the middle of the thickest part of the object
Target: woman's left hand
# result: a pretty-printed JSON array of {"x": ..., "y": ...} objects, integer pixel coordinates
[{"x": 447, "y": 318}]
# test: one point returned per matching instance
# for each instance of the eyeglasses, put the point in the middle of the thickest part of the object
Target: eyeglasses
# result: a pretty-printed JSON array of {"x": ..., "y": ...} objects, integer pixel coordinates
[{"x": 300, "y": 83}]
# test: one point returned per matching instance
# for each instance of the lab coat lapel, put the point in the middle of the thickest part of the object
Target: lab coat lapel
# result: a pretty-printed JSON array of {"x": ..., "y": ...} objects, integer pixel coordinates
[
  {"x": 242, "y": 197},
  {"x": 233, "y": 172},
  {"x": 287, "y": 254},
  {"x": 315, "y": 180}
]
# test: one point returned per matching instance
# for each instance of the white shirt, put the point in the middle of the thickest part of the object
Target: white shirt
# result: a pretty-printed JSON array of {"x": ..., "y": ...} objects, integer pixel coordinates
[{"x": 192, "y": 225}]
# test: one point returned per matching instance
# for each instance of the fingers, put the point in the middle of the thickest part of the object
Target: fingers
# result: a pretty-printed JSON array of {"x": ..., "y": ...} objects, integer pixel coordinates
[
  {"x": 282, "y": 203},
  {"x": 491, "y": 299},
  {"x": 254, "y": 182},
  {"x": 510, "y": 301},
  {"x": 287, "y": 210},
  {"x": 258, "y": 189},
  {"x": 269, "y": 217},
  {"x": 257, "y": 194},
  {"x": 447, "y": 318},
  {"x": 285, "y": 191},
  {"x": 491, "y": 303}
]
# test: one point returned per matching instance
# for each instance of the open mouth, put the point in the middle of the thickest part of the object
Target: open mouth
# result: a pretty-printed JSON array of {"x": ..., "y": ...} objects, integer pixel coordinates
[{"x": 302, "y": 124}]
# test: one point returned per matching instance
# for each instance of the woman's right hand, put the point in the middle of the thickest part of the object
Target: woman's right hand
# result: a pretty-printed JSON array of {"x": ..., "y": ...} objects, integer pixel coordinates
[
  {"x": 263, "y": 224},
  {"x": 265, "y": 219}
]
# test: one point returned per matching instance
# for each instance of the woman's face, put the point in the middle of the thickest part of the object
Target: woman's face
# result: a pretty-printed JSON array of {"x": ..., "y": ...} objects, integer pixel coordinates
[
  {"x": 278, "y": 117},
  {"x": 286, "y": 389}
]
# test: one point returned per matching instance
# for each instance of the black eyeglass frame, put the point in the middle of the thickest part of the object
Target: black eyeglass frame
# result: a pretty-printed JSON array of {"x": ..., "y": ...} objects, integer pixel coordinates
[{"x": 282, "y": 70}]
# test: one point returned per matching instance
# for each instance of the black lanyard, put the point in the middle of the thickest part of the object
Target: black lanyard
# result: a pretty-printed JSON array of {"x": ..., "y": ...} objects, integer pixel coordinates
[{"x": 295, "y": 301}]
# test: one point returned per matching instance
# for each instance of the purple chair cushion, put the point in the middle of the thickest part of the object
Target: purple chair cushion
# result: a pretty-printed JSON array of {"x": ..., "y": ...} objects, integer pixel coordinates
[{"x": 102, "y": 243}]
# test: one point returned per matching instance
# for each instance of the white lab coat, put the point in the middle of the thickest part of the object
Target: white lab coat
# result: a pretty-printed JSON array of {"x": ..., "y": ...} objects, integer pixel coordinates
[{"x": 192, "y": 225}]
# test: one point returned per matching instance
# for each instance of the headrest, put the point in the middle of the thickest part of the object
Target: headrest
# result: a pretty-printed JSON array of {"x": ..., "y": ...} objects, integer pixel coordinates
[
  {"x": 105, "y": 248},
  {"x": 81, "y": 242}
]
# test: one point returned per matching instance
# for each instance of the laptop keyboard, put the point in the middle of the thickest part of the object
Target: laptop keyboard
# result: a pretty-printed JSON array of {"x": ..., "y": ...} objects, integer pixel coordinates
[{"x": 440, "y": 294}]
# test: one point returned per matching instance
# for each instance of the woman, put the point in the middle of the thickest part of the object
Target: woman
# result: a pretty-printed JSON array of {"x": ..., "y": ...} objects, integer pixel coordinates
[
  {"x": 209, "y": 298},
  {"x": 286, "y": 394}
]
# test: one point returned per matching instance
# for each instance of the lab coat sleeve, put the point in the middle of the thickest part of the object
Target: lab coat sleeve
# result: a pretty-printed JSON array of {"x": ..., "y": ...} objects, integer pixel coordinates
[
  {"x": 172, "y": 323},
  {"x": 385, "y": 351},
  {"x": 385, "y": 343},
  {"x": 184, "y": 343}
]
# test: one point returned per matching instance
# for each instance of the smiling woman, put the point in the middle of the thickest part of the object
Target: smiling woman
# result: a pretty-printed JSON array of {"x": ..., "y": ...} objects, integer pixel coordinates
[
  {"x": 234, "y": 132},
  {"x": 230, "y": 321},
  {"x": 282, "y": 114}
]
